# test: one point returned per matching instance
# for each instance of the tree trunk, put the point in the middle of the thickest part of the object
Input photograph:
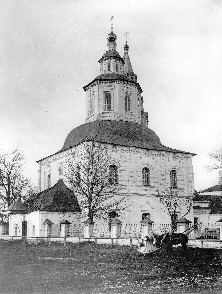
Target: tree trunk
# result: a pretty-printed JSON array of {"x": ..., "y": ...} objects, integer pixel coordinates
[{"x": 174, "y": 222}]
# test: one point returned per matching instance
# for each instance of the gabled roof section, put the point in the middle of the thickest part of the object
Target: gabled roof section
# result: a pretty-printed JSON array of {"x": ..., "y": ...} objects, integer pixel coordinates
[
  {"x": 114, "y": 77},
  {"x": 216, "y": 188},
  {"x": 58, "y": 198},
  {"x": 121, "y": 133},
  {"x": 215, "y": 205},
  {"x": 17, "y": 207},
  {"x": 111, "y": 54}
]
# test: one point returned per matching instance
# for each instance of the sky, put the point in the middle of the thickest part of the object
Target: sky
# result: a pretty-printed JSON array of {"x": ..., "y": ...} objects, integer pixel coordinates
[{"x": 49, "y": 50}]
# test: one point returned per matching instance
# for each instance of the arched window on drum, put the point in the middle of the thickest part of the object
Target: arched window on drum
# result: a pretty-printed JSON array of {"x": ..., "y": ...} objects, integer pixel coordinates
[
  {"x": 113, "y": 175},
  {"x": 146, "y": 176}
]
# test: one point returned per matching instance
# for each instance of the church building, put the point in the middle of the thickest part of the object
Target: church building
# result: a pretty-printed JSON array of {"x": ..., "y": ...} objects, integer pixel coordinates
[{"x": 115, "y": 118}]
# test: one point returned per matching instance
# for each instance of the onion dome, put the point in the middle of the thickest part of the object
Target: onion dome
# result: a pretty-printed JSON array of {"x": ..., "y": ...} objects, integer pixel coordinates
[
  {"x": 126, "y": 47},
  {"x": 111, "y": 37}
]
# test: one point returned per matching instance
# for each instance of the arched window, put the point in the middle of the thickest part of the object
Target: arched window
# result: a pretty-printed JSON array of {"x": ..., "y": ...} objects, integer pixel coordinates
[
  {"x": 173, "y": 179},
  {"x": 107, "y": 100},
  {"x": 111, "y": 216},
  {"x": 117, "y": 67},
  {"x": 146, "y": 176},
  {"x": 113, "y": 175},
  {"x": 127, "y": 102}
]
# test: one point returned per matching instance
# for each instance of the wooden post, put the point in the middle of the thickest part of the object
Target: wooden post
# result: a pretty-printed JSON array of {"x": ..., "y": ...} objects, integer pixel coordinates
[
  {"x": 219, "y": 224},
  {"x": 64, "y": 241},
  {"x": 131, "y": 242},
  {"x": 146, "y": 227},
  {"x": 116, "y": 228},
  {"x": 88, "y": 229}
]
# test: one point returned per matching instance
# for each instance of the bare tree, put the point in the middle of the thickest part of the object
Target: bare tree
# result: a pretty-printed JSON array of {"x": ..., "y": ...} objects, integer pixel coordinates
[
  {"x": 13, "y": 184},
  {"x": 90, "y": 172},
  {"x": 216, "y": 157},
  {"x": 174, "y": 203}
]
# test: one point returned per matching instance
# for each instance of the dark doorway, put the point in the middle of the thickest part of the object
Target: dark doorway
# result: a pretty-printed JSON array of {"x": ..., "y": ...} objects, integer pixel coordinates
[
  {"x": 111, "y": 216},
  {"x": 145, "y": 215},
  {"x": 24, "y": 228}
]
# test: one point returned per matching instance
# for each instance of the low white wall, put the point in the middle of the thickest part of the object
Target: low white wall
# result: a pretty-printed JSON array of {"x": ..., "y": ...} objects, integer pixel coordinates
[{"x": 217, "y": 244}]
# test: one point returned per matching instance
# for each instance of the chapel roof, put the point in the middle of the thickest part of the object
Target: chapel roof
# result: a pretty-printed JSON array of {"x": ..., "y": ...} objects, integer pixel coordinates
[
  {"x": 123, "y": 133},
  {"x": 215, "y": 205},
  {"x": 215, "y": 188},
  {"x": 17, "y": 207},
  {"x": 58, "y": 198}
]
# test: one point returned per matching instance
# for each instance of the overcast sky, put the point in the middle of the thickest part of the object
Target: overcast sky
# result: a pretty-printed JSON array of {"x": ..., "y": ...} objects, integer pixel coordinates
[{"x": 49, "y": 50}]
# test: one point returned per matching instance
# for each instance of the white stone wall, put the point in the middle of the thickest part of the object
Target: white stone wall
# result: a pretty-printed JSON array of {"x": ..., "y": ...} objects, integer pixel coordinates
[
  {"x": 118, "y": 112},
  {"x": 141, "y": 199},
  {"x": 15, "y": 220},
  {"x": 35, "y": 223}
]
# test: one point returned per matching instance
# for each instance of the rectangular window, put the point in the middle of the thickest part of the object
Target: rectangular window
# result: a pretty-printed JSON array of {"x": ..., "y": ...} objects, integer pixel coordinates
[
  {"x": 127, "y": 102},
  {"x": 107, "y": 101},
  {"x": 49, "y": 180},
  {"x": 91, "y": 102},
  {"x": 108, "y": 66}
]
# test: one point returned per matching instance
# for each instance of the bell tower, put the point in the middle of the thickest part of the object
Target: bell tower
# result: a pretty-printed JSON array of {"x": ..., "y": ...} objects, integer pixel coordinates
[{"x": 115, "y": 94}]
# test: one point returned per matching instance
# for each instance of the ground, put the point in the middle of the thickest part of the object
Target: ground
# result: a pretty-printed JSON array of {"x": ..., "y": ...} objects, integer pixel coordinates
[{"x": 90, "y": 268}]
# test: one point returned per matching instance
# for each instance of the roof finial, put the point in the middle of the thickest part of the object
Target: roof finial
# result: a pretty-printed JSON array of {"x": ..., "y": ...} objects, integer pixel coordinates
[
  {"x": 112, "y": 23},
  {"x": 126, "y": 36},
  {"x": 126, "y": 47}
]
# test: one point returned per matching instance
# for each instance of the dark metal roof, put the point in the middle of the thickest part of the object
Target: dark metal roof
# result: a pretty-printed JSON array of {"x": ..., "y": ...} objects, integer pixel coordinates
[
  {"x": 17, "y": 207},
  {"x": 215, "y": 188},
  {"x": 184, "y": 220},
  {"x": 58, "y": 198},
  {"x": 111, "y": 54},
  {"x": 215, "y": 205},
  {"x": 122, "y": 133},
  {"x": 115, "y": 77}
]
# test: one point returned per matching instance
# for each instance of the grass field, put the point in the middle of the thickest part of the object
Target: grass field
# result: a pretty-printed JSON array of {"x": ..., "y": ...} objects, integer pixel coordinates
[{"x": 90, "y": 268}]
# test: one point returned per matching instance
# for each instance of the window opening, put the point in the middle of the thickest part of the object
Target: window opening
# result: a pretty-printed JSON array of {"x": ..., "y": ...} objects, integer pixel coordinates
[
  {"x": 146, "y": 176},
  {"x": 108, "y": 66},
  {"x": 145, "y": 216},
  {"x": 127, "y": 102},
  {"x": 49, "y": 180},
  {"x": 113, "y": 175},
  {"x": 173, "y": 179},
  {"x": 111, "y": 216},
  {"x": 107, "y": 101}
]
